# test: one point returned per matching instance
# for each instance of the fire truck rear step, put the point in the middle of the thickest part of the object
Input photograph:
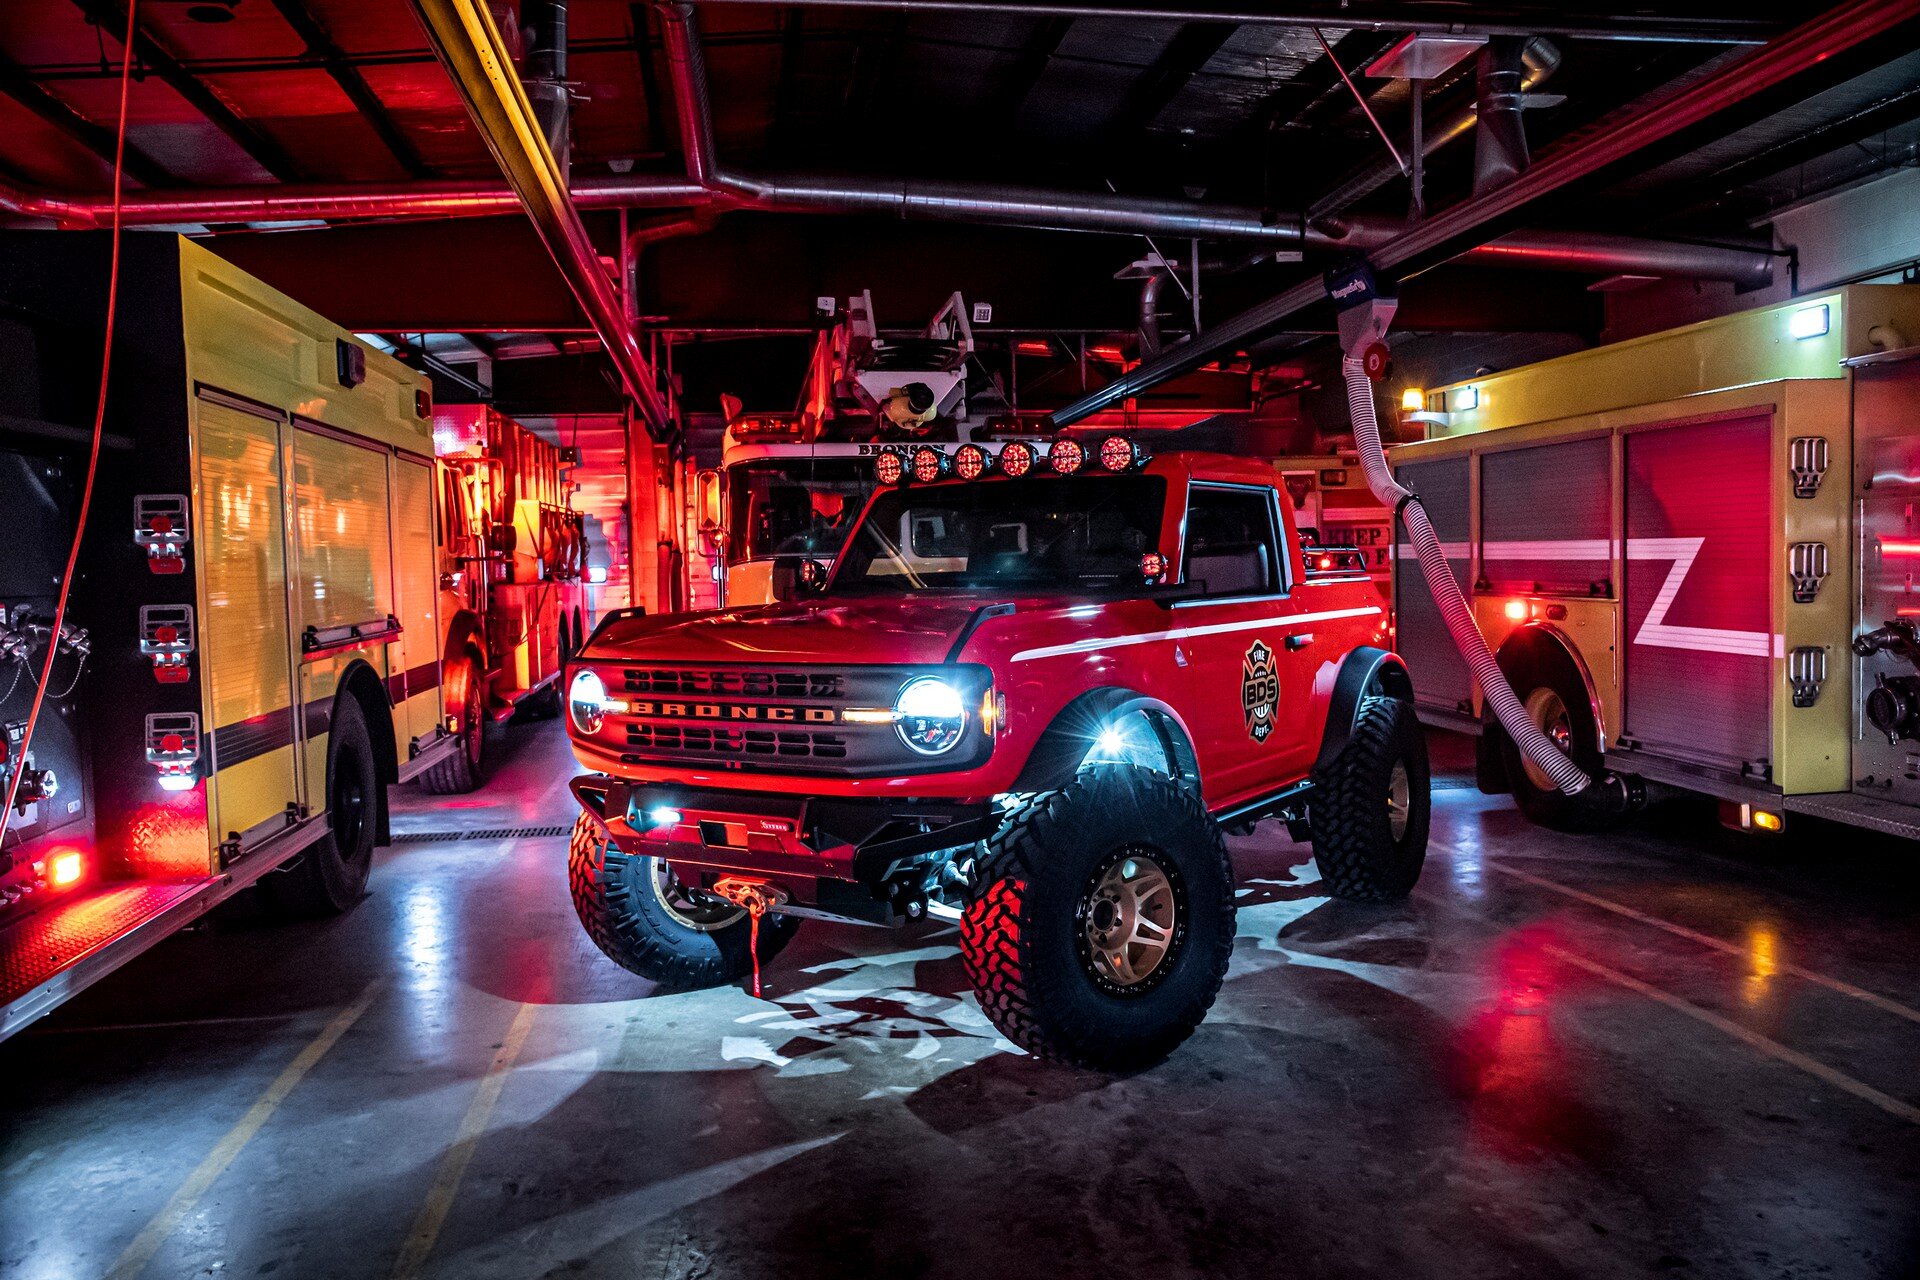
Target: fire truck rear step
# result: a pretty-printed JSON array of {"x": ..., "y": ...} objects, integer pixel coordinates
[{"x": 1860, "y": 811}]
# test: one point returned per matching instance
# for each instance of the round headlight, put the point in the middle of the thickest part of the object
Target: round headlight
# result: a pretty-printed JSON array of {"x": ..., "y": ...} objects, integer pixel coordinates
[
  {"x": 930, "y": 715},
  {"x": 889, "y": 467},
  {"x": 587, "y": 702},
  {"x": 1066, "y": 456},
  {"x": 970, "y": 461},
  {"x": 1017, "y": 458},
  {"x": 929, "y": 464}
]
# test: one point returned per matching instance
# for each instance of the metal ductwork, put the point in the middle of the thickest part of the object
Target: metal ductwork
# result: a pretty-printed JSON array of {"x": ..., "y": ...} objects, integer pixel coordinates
[
  {"x": 469, "y": 45},
  {"x": 1541, "y": 59},
  {"x": 1500, "y": 140},
  {"x": 544, "y": 23},
  {"x": 1842, "y": 28}
]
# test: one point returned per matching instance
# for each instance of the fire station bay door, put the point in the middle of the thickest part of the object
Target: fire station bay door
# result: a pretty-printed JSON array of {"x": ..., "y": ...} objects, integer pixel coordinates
[{"x": 245, "y": 632}]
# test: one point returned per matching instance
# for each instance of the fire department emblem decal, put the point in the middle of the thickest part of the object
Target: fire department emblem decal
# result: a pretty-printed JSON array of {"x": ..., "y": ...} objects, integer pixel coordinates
[{"x": 1259, "y": 691}]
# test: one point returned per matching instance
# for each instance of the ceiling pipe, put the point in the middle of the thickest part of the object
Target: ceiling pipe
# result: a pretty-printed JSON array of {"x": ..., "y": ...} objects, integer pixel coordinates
[
  {"x": 470, "y": 47},
  {"x": 544, "y": 23},
  {"x": 1500, "y": 142},
  {"x": 1840, "y": 29},
  {"x": 1639, "y": 27}
]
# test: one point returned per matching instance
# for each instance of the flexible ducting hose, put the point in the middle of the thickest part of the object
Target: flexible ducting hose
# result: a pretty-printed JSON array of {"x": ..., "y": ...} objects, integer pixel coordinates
[{"x": 1534, "y": 745}]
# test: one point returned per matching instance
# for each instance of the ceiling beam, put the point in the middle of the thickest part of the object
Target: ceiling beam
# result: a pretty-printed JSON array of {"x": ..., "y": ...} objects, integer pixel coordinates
[
  {"x": 17, "y": 84},
  {"x": 340, "y": 67},
  {"x": 1191, "y": 48},
  {"x": 1029, "y": 66},
  {"x": 111, "y": 16}
]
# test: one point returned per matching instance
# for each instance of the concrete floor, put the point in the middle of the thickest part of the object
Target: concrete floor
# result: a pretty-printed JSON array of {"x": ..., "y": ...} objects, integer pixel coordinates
[{"x": 1639, "y": 1055}]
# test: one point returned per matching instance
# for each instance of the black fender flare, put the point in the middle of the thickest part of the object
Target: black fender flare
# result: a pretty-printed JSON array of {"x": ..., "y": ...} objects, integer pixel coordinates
[
  {"x": 1056, "y": 757},
  {"x": 1366, "y": 670}
]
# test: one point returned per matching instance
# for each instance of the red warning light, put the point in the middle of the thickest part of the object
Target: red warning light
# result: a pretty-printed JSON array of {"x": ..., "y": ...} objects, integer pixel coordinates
[
  {"x": 1017, "y": 458},
  {"x": 1067, "y": 456},
  {"x": 970, "y": 461}
]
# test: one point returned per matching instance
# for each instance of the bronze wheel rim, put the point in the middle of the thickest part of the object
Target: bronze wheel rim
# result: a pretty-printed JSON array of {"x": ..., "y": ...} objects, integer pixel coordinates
[
  {"x": 1131, "y": 921},
  {"x": 701, "y": 912}
]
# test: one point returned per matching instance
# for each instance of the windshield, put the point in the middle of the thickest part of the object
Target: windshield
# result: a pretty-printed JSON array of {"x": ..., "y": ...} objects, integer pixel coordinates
[
  {"x": 1040, "y": 533},
  {"x": 801, "y": 507}
]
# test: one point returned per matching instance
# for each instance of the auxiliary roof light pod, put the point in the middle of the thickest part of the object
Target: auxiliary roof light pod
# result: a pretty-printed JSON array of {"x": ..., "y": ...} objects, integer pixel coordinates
[
  {"x": 889, "y": 468},
  {"x": 970, "y": 462},
  {"x": 1017, "y": 458},
  {"x": 929, "y": 464},
  {"x": 1066, "y": 456},
  {"x": 1118, "y": 453}
]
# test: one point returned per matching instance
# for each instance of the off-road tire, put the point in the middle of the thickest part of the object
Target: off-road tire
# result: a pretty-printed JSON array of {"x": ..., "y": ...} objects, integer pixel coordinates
[
  {"x": 614, "y": 896},
  {"x": 462, "y": 769},
  {"x": 331, "y": 875},
  {"x": 1021, "y": 935},
  {"x": 1361, "y": 858},
  {"x": 1549, "y": 806}
]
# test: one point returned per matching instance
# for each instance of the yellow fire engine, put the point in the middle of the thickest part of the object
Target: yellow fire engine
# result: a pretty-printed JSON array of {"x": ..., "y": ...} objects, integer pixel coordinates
[
  {"x": 253, "y": 650},
  {"x": 1695, "y": 553}
]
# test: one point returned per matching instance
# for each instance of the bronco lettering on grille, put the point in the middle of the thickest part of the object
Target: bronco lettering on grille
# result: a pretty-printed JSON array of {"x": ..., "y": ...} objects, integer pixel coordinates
[{"x": 734, "y": 711}]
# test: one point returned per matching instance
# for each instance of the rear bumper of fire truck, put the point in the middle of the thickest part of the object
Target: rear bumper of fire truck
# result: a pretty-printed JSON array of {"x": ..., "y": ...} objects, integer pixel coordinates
[{"x": 853, "y": 859}]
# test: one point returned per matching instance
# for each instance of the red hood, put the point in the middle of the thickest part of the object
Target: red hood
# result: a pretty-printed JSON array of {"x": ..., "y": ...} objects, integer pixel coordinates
[{"x": 865, "y": 630}]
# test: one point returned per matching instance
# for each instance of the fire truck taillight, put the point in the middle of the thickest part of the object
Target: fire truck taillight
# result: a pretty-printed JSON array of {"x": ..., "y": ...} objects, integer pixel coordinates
[
  {"x": 173, "y": 748},
  {"x": 970, "y": 461},
  {"x": 1066, "y": 456},
  {"x": 929, "y": 464},
  {"x": 166, "y": 636},
  {"x": 160, "y": 525},
  {"x": 64, "y": 869},
  {"x": 889, "y": 467},
  {"x": 1016, "y": 459},
  {"x": 1516, "y": 611}
]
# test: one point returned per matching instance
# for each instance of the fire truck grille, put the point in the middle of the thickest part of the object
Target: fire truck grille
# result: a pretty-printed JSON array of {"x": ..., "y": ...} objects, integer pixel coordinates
[
  {"x": 736, "y": 742},
  {"x": 714, "y": 682}
]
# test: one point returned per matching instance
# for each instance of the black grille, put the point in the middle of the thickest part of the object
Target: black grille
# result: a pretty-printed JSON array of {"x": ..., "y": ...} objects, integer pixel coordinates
[
  {"x": 714, "y": 682},
  {"x": 719, "y": 740}
]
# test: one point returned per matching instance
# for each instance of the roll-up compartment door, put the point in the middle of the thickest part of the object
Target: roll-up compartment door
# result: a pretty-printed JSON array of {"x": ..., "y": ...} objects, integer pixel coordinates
[
  {"x": 414, "y": 684},
  {"x": 1546, "y": 520},
  {"x": 1698, "y": 598},
  {"x": 1440, "y": 676}
]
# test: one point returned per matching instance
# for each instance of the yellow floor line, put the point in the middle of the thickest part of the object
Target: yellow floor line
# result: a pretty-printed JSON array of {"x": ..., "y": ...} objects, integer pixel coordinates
[
  {"x": 134, "y": 1258},
  {"x": 453, "y": 1166},
  {"x": 1771, "y": 1048},
  {"x": 1706, "y": 940}
]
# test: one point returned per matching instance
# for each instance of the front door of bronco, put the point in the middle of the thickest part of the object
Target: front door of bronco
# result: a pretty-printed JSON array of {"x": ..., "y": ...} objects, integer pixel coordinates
[{"x": 1233, "y": 636}]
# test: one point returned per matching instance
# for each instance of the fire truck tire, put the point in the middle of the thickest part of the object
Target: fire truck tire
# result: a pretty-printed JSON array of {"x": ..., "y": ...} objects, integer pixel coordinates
[
  {"x": 331, "y": 876},
  {"x": 1101, "y": 920},
  {"x": 461, "y": 770},
  {"x": 1372, "y": 804},
  {"x": 1555, "y": 697},
  {"x": 637, "y": 915}
]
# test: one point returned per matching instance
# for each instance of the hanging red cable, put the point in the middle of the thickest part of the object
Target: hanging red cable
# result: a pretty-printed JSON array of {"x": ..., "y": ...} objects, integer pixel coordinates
[{"x": 99, "y": 426}]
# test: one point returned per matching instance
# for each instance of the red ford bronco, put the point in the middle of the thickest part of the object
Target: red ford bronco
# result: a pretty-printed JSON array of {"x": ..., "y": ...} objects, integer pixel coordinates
[{"x": 1028, "y": 697}]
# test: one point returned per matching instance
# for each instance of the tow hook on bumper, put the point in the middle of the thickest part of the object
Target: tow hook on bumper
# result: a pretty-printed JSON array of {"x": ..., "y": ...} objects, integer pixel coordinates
[{"x": 758, "y": 897}]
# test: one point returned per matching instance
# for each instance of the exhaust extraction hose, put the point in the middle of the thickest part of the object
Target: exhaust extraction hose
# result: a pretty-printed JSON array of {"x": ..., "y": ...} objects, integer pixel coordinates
[{"x": 1534, "y": 745}]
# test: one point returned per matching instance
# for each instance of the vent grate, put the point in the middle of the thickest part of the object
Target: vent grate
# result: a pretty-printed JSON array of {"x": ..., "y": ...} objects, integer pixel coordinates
[{"x": 480, "y": 833}]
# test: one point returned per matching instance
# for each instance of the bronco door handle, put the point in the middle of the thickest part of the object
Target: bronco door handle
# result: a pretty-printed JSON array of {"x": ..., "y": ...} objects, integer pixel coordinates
[{"x": 1300, "y": 640}]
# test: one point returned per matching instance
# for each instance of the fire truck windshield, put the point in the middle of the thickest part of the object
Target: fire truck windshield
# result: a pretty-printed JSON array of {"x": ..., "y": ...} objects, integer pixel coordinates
[
  {"x": 1075, "y": 532},
  {"x": 800, "y": 507}
]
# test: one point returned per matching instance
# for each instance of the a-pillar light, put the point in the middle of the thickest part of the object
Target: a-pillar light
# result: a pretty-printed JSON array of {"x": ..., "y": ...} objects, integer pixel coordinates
[
  {"x": 1017, "y": 459},
  {"x": 1117, "y": 453},
  {"x": 929, "y": 464},
  {"x": 1066, "y": 456},
  {"x": 970, "y": 462},
  {"x": 1153, "y": 566}
]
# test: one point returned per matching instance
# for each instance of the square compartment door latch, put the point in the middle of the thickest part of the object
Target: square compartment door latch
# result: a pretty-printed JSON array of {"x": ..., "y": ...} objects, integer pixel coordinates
[
  {"x": 1807, "y": 566},
  {"x": 1806, "y": 672},
  {"x": 1807, "y": 459}
]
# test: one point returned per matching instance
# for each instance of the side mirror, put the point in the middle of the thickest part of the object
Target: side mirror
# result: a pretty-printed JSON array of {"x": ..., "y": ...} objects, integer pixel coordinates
[
  {"x": 813, "y": 577},
  {"x": 708, "y": 502}
]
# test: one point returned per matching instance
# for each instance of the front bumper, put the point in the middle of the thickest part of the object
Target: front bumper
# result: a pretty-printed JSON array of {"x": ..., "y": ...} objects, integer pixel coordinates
[{"x": 848, "y": 857}]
